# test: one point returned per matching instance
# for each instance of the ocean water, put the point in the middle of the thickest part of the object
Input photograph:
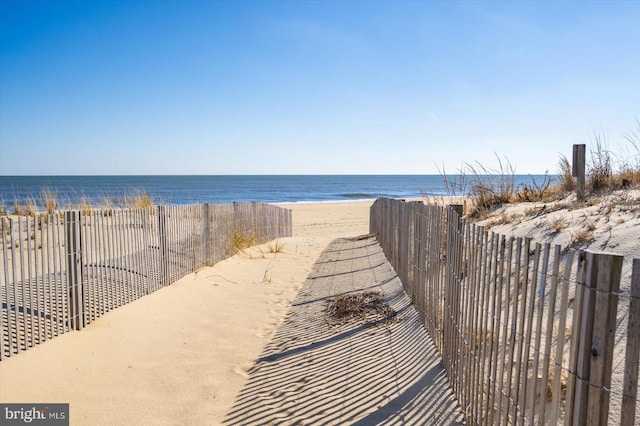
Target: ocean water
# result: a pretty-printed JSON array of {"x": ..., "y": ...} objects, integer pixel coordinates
[{"x": 71, "y": 190}]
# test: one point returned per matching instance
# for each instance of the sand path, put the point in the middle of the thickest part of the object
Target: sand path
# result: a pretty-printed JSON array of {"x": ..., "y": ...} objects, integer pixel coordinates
[
  {"x": 181, "y": 355},
  {"x": 359, "y": 372}
]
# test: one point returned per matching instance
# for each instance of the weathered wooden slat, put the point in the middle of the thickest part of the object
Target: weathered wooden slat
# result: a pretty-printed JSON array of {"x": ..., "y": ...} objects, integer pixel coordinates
[
  {"x": 632, "y": 353},
  {"x": 576, "y": 326},
  {"x": 564, "y": 302},
  {"x": 525, "y": 409},
  {"x": 546, "y": 352},
  {"x": 535, "y": 388},
  {"x": 609, "y": 270},
  {"x": 510, "y": 414},
  {"x": 6, "y": 299},
  {"x": 496, "y": 314},
  {"x": 505, "y": 358}
]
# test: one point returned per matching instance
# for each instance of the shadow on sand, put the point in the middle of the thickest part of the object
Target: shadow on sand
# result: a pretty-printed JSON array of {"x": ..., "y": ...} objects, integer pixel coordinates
[{"x": 357, "y": 373}]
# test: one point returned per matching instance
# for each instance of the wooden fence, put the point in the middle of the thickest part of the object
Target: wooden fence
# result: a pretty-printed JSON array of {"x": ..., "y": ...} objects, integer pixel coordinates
[
  {"x": 62, "y": 271},
  {"x": 525, "y": 330}
]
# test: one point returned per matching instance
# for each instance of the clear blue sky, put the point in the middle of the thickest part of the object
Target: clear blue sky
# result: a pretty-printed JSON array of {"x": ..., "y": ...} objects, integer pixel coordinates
[{"x": 269, "y": 87}]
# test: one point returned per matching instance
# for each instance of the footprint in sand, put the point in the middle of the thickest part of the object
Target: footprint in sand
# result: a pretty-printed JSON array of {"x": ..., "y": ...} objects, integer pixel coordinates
[
  {"x": 242, "y": 370},
  {"x": 263, "y": 331}
]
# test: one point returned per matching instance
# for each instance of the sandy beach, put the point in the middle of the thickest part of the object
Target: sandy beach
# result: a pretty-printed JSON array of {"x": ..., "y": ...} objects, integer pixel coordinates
[{"x": 181, "y": 354}]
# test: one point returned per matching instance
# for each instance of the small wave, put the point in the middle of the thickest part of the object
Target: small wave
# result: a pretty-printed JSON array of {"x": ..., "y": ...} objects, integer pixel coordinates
[{"x": 358, "y": 195}]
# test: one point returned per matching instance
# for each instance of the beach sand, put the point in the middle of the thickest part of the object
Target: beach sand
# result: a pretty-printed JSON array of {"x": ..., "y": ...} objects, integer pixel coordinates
[{"x": 181, "y": 354}]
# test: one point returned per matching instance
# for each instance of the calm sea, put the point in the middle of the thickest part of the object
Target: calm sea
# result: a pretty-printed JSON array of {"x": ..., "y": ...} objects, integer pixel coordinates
[{"x": 223, "y": 189}]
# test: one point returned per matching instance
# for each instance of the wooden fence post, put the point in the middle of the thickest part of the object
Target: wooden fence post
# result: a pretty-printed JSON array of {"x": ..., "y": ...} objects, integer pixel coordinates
[
  {"x": 73, "y": 246},
  {"x": 597, "y": 332},
  {"x": 146, "y": 238},
  {"x": 578, "y": 170},
  {"x": 206, "y": 234},
  {"x": 450, "y": 303},
  {"x": 162, "y": 242},
  {"x": 630, "y": 387}
]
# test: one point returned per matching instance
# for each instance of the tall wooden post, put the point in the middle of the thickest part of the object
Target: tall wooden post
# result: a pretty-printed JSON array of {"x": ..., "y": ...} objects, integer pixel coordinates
[
  {"x": 206, "y": 234},
  {"x": 73, "y": 247},
  {"x": 578, "y": 170},
  {"x": 162, "y": 241}
]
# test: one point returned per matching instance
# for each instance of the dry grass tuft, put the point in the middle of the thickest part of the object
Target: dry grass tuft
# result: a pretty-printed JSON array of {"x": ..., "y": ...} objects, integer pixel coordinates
[
  {"x": 566, "y": 182},
  {"x": 26, "y": 209},
  {"x": 600, "y": 171},
  {"x": 485, "y": 187},
  {"x": 367, "y": 306},
  {"x": 85, "y": 207},
  {"x": 581, "y": 238},
  {"x": 503, "y": 219},
  {"x": 275, "y": 246},
  {"x": 609, "y": 170},
  {"x": 266, "y": 278},
  {"x": 239, "y": 241},
  {"x": 138, "y": 200},
  {"x": 558, "y": 225},
  {"x": 536, "y": 191},
  {"x": 491, "y": 188},
  {"x": 49, "y": 200}
]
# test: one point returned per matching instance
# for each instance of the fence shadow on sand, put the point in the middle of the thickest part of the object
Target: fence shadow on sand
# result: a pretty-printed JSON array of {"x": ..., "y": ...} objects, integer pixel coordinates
[{"x": 362, "y": 371}]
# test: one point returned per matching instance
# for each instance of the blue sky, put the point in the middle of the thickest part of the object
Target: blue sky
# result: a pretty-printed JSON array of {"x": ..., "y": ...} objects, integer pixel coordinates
[{"x": 272, "y": 87}]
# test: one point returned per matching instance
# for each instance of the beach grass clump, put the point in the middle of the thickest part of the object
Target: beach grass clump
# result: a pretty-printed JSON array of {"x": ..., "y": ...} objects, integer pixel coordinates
[
  {"x": 581, "y": 238},
  {"x": 600, "y": 170},
  {"x": 558, "y": 225},
  {"x": 566, "y": 182},
  {"x": 614, "y": 170},
  {"x": 629, "y": 166},
  {"x": 28, "y": 208},
  {"x": 275, "y": 246},
  {"x": 503, "y": 219},
  {"x": 485, "y": 187},
  {"x": 490, "y": 187},
  {"x": 138, "y": 199},
  {"x": 85, "y": 207},
  {"x": 537, "y": 191},
  {"x": 49, "y": 200},
  {"x": 240, "y": 240}
]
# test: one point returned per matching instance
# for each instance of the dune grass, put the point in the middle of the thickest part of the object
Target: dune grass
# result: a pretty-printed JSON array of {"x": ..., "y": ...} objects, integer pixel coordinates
[
  {"x": 48, "y": 203},
  {"x": 489, "y": 188}
]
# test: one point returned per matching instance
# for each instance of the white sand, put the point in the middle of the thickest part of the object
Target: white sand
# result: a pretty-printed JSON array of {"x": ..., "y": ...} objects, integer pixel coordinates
[
  {"x": 609, "y": 223},
  {"x": 180, "y": 355}
]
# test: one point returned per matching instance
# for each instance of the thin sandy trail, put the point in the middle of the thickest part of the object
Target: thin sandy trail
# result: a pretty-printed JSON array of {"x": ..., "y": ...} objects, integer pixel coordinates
[{"x": 180, "y": 355}]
